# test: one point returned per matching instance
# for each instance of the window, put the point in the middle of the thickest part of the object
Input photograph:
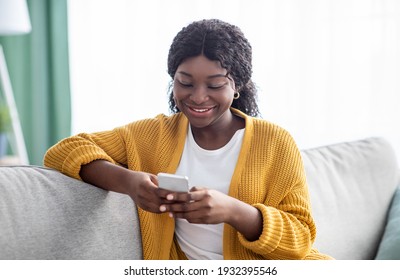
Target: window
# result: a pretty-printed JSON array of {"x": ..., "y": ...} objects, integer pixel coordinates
[{"x": 326, "y": 70}]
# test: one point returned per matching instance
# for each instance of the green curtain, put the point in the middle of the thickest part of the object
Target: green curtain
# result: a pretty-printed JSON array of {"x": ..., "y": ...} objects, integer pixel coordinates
[{"x": 39, "y": 73}]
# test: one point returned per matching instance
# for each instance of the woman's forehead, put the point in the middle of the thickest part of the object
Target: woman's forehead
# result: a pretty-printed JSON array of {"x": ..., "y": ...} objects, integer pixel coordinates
[{"x": 201, "y": 65}]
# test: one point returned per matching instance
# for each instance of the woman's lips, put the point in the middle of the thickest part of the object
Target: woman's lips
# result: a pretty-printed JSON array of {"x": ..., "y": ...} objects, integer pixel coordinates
[{"x": 200, "y": 110}]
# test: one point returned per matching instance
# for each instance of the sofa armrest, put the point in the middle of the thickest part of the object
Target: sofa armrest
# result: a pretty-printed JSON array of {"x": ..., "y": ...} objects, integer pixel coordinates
[{"x": 47, "y": 215}]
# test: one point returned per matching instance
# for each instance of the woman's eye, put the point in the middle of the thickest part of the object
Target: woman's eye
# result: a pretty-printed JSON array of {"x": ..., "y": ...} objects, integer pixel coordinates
[
  {"x": 216, "y": 86},
  {"x": 185, "y": 84}
]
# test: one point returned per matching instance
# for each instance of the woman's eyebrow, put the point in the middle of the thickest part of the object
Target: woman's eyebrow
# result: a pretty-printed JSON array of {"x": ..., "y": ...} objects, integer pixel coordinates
[
  {"x": 184, "y": 73},
  {"x": 208, "y": 77},
  {"x": 217, "y": 76}
]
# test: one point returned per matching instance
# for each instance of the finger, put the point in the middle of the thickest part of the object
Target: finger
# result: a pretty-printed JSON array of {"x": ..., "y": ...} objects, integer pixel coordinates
[
  {"x": 193, "y": 189},
  {"x": 181, "y": 207},
  {"x": 162, "y": 193},
  {"x": 150, "y": 207},
  {"x": 198, "y": 193},
  {"x": 149, "y": 201},
  {"x": 174, "y": 196},
  {"x": 191, "y": 217},
  {"x": 153, "y": 179},
  {"x": 165, "y": 196}
]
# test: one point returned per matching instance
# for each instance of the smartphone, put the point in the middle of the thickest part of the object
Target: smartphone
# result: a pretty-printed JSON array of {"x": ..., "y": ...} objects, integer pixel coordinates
[{"x": 172, "y": 182}]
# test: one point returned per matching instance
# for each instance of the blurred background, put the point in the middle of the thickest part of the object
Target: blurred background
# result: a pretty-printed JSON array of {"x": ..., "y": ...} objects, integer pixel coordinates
[{"x": 328, "y": 71}]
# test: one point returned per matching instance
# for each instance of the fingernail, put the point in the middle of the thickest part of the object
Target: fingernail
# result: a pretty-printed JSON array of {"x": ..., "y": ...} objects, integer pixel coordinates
[
  {"x": 171, "y": 215},
  {"x": 170, "y": 197},
  {"x": 163, "y": 208}
]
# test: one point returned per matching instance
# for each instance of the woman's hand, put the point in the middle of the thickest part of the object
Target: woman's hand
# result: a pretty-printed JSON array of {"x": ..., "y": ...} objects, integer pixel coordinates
[
  {"x": 140, "y": 186},
  {"x": 200, "y": 206},
  {"x": 207, "y": 206}
]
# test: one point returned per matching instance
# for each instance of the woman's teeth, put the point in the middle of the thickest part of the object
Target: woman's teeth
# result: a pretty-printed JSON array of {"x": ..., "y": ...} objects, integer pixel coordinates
[{"x": 201, "y": 110}]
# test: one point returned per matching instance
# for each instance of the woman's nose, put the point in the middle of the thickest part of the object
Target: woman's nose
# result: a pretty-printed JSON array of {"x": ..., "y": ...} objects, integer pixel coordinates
[{"x": 199, "y": 95}]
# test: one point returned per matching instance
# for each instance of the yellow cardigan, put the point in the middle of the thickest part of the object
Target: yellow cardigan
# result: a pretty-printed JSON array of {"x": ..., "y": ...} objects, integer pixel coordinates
[{"x": 269, "y": 175}]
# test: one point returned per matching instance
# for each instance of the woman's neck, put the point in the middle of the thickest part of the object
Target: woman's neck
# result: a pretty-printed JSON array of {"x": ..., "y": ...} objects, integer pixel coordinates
[{"x": 216, "y": 136}]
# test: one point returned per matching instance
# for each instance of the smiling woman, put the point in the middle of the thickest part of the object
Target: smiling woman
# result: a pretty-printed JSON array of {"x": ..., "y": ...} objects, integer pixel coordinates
[{"x": 248, "y": 197}]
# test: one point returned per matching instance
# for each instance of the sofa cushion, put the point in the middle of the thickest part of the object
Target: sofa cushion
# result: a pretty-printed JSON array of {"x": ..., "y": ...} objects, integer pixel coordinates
[
  {"x": 351, "y": 186},
  {"x": 389, "y": 248},
  {"x": 47, "y": 215}
]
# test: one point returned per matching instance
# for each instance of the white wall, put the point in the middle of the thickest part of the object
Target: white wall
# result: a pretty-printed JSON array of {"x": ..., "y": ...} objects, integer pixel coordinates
[{"x": 327, "y": 70}]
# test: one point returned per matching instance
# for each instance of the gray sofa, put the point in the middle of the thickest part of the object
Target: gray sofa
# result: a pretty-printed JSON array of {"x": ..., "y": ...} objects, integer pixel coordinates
[{"x": 47, "y": 215}]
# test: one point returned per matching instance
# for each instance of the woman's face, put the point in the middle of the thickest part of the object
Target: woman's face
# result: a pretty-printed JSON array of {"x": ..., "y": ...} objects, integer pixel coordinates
[{"x": 204, "y": 92}]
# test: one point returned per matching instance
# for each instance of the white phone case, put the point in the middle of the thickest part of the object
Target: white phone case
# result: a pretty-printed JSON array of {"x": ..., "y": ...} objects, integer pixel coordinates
[{"x": 173, "y": 182}]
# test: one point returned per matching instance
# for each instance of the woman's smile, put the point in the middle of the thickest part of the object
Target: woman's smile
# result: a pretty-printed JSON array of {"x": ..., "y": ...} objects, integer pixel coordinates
[{"x": 198, "y": 111}]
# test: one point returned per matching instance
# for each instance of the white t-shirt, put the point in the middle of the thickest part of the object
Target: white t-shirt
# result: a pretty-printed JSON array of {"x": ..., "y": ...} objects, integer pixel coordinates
[{"x": 212, "y": 169}]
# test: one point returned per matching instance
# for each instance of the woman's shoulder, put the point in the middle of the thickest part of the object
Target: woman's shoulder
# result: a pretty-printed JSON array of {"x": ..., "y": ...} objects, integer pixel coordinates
[
  {"x": 263, "y": 129},
  {"x": 272, "y": 133},
  {"x": 158, "y": 125},
  {"x": 156, "y": 122},
  {"x": 258, "y": 123},
  {"x": 270, "y": 127}
]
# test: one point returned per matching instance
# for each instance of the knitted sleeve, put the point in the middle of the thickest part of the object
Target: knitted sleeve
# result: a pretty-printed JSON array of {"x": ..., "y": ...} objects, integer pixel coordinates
[
  {"x": 288, "y": 227},
  {"x": 71, "y": 153},
  {"x": 147, "y": 145}
]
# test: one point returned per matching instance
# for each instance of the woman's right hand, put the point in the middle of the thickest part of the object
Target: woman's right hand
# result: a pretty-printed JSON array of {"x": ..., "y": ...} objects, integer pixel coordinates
[{"x": 142, "y": 187}]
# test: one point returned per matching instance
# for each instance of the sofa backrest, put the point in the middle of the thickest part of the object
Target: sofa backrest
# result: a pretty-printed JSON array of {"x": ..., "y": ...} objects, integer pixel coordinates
[
  {"x": 47, "y": 215},
  {"x": 351, "y": 187}
]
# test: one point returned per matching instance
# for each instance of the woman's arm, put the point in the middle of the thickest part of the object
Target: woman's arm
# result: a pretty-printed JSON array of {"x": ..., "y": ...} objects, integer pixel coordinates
[
  {"x": 98, "y": 159},
  {"x": 107, "y": 176},
  {"x": 247, "y": 220},
  {"x": 140, "y": 186}
]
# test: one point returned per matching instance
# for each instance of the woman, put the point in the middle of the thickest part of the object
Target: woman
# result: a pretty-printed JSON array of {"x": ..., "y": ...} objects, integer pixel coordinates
[{"x": 249, "y": 198}]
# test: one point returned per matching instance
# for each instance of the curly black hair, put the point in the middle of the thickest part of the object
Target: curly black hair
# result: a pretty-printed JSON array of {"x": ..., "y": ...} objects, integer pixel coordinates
[{"x": 223, "y": 42}]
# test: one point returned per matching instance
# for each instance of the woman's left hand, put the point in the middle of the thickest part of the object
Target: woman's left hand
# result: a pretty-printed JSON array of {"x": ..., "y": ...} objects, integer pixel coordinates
[
  {"x": 200, "y": 206},
  {"x": 207, "y": 206}
]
